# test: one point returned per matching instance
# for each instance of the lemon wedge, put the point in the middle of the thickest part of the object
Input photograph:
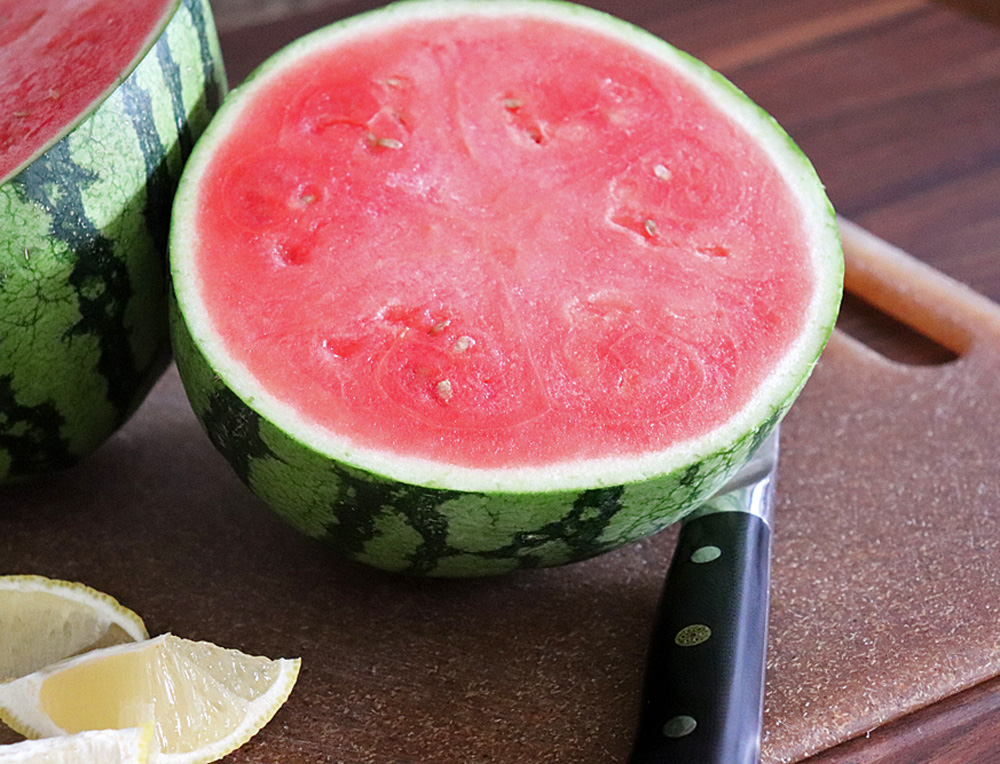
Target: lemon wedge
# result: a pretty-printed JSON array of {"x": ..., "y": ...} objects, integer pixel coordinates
[
  {"x": 43, "y": 620},
  {"x": 204, "y": 700},
  {"x": 127, "y": 746}
]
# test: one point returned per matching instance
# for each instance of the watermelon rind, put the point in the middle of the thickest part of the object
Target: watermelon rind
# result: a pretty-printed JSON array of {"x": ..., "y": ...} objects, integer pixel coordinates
[
  {"x": 83, "y": 240},
  {"x": 422, "y": 516}
]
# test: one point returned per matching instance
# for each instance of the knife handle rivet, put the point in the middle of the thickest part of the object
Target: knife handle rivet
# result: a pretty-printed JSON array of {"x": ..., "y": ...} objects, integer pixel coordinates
[
  {"x": 706, "y": 554},
  {"x": 679, "y": 726},
  {"x": 692, "y": 635}
]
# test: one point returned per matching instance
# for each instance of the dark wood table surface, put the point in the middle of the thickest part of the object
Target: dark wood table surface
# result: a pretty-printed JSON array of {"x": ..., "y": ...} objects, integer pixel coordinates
[{"x": 897, "y": 103}]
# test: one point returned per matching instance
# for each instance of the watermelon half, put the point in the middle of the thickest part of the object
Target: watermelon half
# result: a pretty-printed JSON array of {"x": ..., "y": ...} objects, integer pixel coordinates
[
  {"x": 462, "y": 287},
  {"x": 100, "y": 104}
]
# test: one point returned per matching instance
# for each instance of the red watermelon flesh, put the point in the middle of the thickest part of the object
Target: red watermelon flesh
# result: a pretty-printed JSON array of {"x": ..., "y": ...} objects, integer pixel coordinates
[
  {"x": 58, "y": 58},
  {"x": 499, "y": 243}
]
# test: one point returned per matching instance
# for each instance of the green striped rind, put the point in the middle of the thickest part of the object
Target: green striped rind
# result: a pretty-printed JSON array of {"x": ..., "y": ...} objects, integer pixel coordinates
[
  {"x": 423, "y": 530},
  {"x": 83, "y": 237}
]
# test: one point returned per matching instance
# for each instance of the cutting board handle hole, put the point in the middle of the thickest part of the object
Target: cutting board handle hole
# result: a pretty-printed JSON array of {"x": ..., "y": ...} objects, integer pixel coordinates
[{"x": 888, "y": 336}]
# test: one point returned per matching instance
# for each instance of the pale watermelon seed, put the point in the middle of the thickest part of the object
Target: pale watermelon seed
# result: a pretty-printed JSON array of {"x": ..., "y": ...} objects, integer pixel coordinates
[
  {"x": 440, "y": 326},
  {"x": 386, "y": 143},
  {"x": 650, "y": 226},
  {"x": 444, "y": 390},
  {"x": 661, "y": 172},
  {"x": 463, "y": 343}
]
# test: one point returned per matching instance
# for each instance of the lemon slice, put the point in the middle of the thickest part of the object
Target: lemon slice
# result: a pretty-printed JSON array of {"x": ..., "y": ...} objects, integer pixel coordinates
[
  {"x": 43, "y": 620},
  {"x": 127, "y": 746},
  {"x": 205, "y": 700}
]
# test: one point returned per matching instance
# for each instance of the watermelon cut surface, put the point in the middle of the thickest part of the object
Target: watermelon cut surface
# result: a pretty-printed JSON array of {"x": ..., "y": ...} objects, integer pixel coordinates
[
  {"x": 100, "y": 104},
  {"x": 60, "y": 60},
  {"x": 462, "y": 287}
]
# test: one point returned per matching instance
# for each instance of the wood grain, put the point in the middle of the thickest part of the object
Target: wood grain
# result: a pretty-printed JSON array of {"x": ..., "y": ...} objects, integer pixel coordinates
[
  {"x": 964, "y": 729},
  {"x": 985, "y": 10},
  {"x": 899, "y": 118}
]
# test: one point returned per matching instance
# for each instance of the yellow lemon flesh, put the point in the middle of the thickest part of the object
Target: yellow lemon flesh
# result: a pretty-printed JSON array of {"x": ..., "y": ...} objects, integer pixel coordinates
[{"x": 205, "y": 700}]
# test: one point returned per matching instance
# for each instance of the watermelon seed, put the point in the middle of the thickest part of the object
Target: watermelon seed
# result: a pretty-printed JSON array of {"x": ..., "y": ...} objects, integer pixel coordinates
[
  {"x": 463, "y": 343},
  {"x": 525, "y": 124},
  {"x": 394, "y": 82},
  {"x": 443, "y": 389},
  {"x": 650, "y": 226},
  {"x": 440, "y": 326},
  {"x": 662, "y": 172},
  {"x": 386, "y": 143}
]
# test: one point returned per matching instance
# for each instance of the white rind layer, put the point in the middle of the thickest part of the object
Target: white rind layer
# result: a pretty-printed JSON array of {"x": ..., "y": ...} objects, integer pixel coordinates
[{"x": 773, "y": 394}]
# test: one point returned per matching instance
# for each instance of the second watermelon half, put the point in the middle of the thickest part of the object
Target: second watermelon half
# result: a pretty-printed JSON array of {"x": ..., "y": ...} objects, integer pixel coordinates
[{"x": 102, "y": 101}]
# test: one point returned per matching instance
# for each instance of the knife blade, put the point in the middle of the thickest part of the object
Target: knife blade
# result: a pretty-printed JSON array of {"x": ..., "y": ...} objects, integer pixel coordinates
[{"x": 703, "y": 692}]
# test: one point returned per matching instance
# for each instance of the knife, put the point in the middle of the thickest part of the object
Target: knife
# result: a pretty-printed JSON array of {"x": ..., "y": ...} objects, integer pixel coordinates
[{"x": 703, "y": 693}]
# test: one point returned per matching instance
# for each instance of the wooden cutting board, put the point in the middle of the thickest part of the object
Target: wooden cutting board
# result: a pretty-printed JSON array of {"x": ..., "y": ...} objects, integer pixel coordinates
[{"x": 886, "y": 593}]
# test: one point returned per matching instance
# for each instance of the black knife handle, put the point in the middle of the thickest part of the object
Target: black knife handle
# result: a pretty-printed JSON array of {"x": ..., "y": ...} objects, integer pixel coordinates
[{"x": 704, "y": 686}]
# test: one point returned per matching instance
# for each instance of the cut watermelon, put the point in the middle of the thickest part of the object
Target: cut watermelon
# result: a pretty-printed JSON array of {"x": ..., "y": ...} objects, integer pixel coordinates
[
  {"x": 100, "y": 104},
  {"x": 462, "y": 287}
]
